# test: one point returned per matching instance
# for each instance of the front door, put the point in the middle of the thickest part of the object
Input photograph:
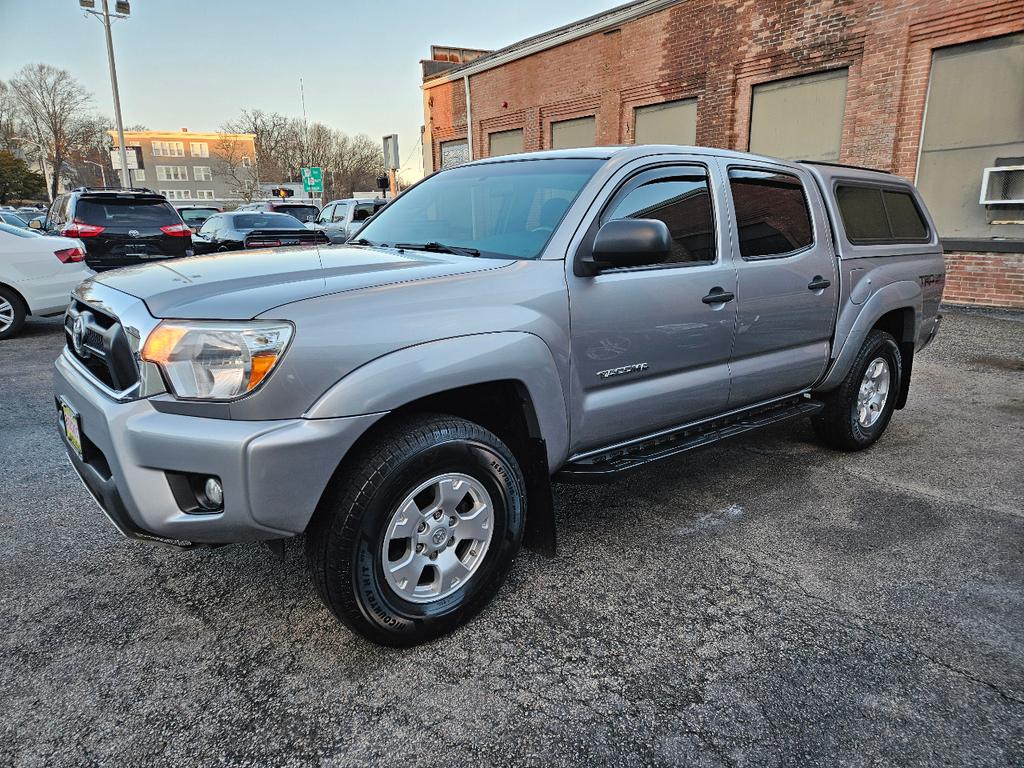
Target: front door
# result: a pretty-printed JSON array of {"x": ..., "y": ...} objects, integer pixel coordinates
[
  {"x": 787, "y": 282},
  {"x": 651, "y": 345}
]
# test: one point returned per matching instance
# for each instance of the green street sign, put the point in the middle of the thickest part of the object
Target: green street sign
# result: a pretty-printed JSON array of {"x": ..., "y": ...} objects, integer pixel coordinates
[{"x": 313, "y": 179}]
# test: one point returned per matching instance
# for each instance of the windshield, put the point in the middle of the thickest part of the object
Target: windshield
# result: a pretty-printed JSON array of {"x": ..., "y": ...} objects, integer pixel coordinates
[
  {"x": 196, "y": 216},
  {"x": 503, "y": 210},
  {"x": 247, "y": 221},
  {"x": 300, "y": 212}
]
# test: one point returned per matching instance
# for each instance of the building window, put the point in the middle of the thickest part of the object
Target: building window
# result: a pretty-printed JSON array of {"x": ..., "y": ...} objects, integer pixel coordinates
[
  {"x": 139, "y": 174},
  {"x": 580, "y": 132},
  {"x": 204, "y": 194},
  {"x": 176, "y": 194},
  {"x": 246, "y": 162},
  {"x": 454, "y": 153},
  {"x": 202, "y": 173},
  {"x": 504, "y": 142},
  {"x": 680, "y": 197},
  {"x": 974, "y": 120},
  {"x": 168, "y": 149},
  {"x": 771, "y": 213},
  {"x": 800, "y": 118},
  {"x": 674, "y": 122},
  {"x": 172, "y": 173},
  {"x": 199, "y": 149}
]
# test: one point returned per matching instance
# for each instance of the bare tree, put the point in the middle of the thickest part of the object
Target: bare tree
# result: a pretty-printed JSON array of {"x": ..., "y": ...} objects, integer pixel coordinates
[
  {"x": 53, "y": 105},
  {"x": 230, "y": 160},
  {"x": 8, "y": 117}
]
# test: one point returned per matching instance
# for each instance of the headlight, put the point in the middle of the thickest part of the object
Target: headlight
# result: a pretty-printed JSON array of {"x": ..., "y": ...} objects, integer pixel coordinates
[{"x": 215, "y": 361}]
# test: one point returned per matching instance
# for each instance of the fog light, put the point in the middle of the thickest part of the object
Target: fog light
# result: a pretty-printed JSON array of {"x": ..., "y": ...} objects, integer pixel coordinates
[{"x": 214, "y": 493}]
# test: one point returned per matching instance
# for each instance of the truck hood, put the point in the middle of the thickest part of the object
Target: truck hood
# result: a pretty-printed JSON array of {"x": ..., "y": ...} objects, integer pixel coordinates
[{"x": 239, "y": 285}]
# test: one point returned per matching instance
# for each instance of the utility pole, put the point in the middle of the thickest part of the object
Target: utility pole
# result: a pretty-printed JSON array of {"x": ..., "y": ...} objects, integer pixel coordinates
[{"x": 122, "y": 13}]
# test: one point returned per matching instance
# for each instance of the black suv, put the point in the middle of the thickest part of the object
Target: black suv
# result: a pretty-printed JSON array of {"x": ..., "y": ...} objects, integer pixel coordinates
[{"x": 119, "y": 227}]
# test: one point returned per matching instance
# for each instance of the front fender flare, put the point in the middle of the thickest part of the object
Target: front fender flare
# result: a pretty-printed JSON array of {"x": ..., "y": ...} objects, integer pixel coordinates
[{"x": 408, "y": 374}]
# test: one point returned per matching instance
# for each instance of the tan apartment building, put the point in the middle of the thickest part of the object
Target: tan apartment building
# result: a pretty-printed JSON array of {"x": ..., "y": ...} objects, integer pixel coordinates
[{"x": 195, "y": 167}]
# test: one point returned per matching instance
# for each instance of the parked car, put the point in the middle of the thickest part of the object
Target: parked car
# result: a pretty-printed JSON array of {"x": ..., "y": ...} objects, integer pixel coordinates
[
  {"x": 7, "y": 217},
  {"x": 120, "y": 227},
  {"x": 405, "y": 400},
  {"x": 253, "y": 229},
  {"x": 342, "y": 219},
  {"x": 303, "y": 211},
  {"x": 196, "y": 215},
  {"x": 37, "y": 275}
]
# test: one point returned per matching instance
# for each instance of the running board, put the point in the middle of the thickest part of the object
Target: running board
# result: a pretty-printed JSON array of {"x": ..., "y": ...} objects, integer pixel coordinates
[{"x": 605, "y": 465}]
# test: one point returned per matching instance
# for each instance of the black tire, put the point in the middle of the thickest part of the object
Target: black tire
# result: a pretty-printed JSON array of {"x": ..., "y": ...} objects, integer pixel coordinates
[
  {"x": 345, "y": 539},
  {"x": 20, "y": 312},
  {"x": 838, "y": 425}
]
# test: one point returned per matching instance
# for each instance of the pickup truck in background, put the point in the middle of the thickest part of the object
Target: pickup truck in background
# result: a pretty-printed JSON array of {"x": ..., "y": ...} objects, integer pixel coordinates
[
  {"x": 406, "y": 401},
  {"x": 342, "y": 219}
]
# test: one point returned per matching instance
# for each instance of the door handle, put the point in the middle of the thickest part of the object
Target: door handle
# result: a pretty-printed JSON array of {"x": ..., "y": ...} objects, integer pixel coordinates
[
  {"x": 718, "y": 296},
  {"x": 819, "y": 283}
]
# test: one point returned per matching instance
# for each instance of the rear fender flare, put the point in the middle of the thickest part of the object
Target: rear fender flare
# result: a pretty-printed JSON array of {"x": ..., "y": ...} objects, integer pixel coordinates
[{"x": 898, "y": 295}]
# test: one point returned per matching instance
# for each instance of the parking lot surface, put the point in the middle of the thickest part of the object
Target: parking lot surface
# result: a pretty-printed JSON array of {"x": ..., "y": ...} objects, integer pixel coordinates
[{"x": 765, "y": 602}]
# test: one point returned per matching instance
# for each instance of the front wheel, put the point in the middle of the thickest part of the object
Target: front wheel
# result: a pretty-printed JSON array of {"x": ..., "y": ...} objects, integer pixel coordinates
[
  {"x": 858, "y": 411},
  {"x": 419, "y": 531}
]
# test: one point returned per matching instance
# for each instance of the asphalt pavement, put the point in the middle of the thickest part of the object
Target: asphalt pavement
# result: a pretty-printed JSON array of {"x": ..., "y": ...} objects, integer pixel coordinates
[{"x": 765, "y": 602}]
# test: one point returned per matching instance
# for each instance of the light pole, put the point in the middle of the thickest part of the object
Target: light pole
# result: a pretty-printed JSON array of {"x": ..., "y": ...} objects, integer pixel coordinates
[
  {"x": 103, "y": 172},
  {"x": 122, "y": 9},
  {"x": 42, "y": 162}
]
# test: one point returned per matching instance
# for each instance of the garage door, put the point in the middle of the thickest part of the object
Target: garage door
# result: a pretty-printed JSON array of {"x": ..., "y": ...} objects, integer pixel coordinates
[
  {"x": 674, "y": 122},
  {"x": 800, "y": 118},
  {"x": 505, "y": 142},
  {"x": 580, "y": 132}
]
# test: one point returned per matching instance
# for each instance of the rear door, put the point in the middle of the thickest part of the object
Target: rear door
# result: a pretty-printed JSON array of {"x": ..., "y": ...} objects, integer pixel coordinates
[
  {"x": 650, "y": 345},
  {"x": 786, "y": 281}
]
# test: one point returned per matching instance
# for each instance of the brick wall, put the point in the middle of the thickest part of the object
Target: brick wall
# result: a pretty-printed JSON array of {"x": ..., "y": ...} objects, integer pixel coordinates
[
  {"x": 716, "y": 51},
  {"x": 985, "y": 279}
]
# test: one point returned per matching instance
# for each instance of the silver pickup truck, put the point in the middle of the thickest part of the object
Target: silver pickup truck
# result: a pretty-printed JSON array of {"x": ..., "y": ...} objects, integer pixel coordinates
[{"x": 407, "y": 399}]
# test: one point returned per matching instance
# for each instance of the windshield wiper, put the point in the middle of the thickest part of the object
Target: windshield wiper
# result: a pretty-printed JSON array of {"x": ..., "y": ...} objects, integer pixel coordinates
[{"x": 439, "y": 248}]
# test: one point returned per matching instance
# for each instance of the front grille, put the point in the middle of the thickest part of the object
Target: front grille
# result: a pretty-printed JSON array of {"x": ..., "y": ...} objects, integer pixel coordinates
[{"x": 97, "y": 341}]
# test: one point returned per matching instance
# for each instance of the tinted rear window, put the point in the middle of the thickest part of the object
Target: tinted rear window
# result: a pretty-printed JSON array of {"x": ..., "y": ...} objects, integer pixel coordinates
[
  {"x": 196, "y": 215},
  {"x": 300, "y": 212},
  {"x": 873, "y": 215},
  {"x": 771, "y": 213},
  {"x": 246, "y": 221},
  {"x": 126, "y": 213}
]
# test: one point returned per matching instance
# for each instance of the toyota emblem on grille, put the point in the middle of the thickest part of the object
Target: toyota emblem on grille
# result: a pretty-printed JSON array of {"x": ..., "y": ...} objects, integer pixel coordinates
[
  {"x": 78, "y": 337},
  {"x": 133, "y": 233}
]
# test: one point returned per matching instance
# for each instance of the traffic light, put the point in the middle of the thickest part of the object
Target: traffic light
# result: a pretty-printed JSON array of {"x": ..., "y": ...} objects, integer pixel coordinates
[{"x": 283, "y": 192}]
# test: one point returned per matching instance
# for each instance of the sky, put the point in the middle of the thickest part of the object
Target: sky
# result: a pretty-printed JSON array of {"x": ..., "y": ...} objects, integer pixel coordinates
[{"x": 197, "y": 63}]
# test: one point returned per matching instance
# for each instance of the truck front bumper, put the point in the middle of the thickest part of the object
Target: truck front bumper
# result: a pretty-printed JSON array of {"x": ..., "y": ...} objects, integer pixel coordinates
[{"x": 272, "y": 472}]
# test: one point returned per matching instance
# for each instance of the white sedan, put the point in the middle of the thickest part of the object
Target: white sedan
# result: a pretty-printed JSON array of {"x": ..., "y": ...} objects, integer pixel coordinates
[{"x": 37, "y": 275}]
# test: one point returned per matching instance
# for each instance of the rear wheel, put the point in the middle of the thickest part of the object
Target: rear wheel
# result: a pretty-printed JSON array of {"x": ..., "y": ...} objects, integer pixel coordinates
[
  {"x": 12, "y": 313},
  {"x": 419, "y": 530},
  {"x": 858, "y": 411}
]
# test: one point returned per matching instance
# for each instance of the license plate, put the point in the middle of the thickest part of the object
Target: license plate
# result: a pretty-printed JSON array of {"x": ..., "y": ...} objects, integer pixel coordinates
[{"x": 72, "y": 426}]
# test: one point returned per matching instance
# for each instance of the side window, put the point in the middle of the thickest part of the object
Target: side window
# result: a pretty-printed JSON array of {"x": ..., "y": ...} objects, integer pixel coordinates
[
  {"x": 680, "y": 197},
  {"x": 210, "y": 226},
  {"x": 55, "y": 218},
  {"x": 771, "y": 213},
  {"x": 341, "y": 212},
  {"x": 873, "y": 215},
  {"x": 325, "y": 215},
  {"x": 904, "y": 217}
]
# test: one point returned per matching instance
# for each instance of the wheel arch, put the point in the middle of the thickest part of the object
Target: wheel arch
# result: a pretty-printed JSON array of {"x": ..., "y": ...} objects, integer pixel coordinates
[{"x": 19, "y": 295}]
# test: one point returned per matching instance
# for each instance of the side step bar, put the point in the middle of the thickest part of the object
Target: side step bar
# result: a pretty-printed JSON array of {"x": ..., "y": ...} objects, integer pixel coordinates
[{"x": 605, "y": 465}]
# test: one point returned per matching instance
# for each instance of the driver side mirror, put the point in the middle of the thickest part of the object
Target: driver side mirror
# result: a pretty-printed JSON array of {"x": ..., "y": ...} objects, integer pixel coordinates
[
  {"x": 35, "y": 224},
  {"x": 629, "y": 243}
]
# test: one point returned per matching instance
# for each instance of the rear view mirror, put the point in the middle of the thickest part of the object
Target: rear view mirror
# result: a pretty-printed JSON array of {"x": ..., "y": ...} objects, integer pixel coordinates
[
  {"x": 35, "y": 224},
  {"x": 629, "y": 243}
]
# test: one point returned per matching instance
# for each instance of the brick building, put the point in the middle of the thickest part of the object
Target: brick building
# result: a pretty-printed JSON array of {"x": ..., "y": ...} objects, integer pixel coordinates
[{"x": 932, "y": 90}]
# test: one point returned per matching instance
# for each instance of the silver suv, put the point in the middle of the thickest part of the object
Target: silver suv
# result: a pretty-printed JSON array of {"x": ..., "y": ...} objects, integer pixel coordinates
[{"x": 405, "y": 401}]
